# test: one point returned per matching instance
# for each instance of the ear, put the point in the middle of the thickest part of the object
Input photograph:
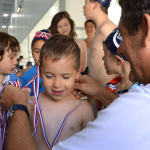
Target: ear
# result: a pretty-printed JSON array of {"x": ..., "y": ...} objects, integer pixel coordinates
[
  {"x": 96, "y": 5},
  {"x": 40, "y": 72},
  {"x": 78, "y": 72},
  {"x": 146, "y": 28},
  {"x": 119, "y": 60}
]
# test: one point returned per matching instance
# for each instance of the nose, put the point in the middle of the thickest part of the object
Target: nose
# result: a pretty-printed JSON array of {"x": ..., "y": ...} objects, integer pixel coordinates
[
  {"x": 57, "y": 82},
  {"x": 15, "y": 61},
  {"x": 63, "y": 27},
  {"x": 103, "y": 57},
  {"x": 83, "y": 6}
]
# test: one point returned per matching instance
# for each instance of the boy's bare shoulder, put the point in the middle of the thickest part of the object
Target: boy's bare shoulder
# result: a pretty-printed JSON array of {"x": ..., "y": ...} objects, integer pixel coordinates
[
  {"x": 86, "y": 105},
  {"x": 79, "y": 42},
  {"x": 86, "y": 113},
  {"x": 106, "y": 28}
]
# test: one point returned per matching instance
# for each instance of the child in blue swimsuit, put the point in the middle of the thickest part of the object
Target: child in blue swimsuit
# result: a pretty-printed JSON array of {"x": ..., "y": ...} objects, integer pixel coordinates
[{"x": 36, "y": 45}]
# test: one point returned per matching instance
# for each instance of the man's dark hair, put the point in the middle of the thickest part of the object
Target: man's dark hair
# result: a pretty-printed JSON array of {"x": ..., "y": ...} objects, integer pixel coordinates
[
  {"x": 60, "y": 46},
  {"x": 132, "y": 13},
  {"x": 103, "y": 8},
  {"x": 10, "y": 41},
  {"x": 21, "y": 56},
  {"x": 91, "y": 22}
]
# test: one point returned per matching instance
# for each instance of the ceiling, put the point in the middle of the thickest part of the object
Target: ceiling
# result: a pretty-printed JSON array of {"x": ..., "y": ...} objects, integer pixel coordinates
[{"x": 6, "y": 7}]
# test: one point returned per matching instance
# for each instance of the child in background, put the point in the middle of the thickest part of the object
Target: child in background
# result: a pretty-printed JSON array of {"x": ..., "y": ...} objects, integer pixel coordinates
[
  {"x": 36, "y": 45},
  {"x": 60, "y": 66},
  {"x": 9, "y": 48},
  {"x": 116, "y": 64},
  {"x": 28, "y": 66},
  {"x": 63, "y": 24}
]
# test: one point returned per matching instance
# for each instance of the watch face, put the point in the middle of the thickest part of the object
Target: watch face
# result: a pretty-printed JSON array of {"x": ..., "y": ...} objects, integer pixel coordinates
[{"x": 9, "y": 114}]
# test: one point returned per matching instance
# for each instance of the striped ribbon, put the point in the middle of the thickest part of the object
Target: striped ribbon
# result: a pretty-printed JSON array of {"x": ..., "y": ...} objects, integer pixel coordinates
[{"x": 4, "y": 116}]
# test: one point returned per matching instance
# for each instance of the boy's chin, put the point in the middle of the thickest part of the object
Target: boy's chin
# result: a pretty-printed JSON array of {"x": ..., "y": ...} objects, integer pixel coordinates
[
  {"x": 57, "y": 99},
  {"x": 8, "y": 72}
]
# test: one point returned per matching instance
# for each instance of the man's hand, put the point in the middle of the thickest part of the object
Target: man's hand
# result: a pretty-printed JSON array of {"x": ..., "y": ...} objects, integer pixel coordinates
[
  {"x": 12, "y": 95},
  {"x": 93, "y": 89},
  {"x": 87, "y": 87}
]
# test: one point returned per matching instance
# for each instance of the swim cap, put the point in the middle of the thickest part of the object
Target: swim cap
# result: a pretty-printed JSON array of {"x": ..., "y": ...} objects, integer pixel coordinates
[
  {"x": 105, "y": 3},
  {"x": 113, "y": 41},
  {"x": 41, "y": 35},
  {"x": 29, "y": 63}
]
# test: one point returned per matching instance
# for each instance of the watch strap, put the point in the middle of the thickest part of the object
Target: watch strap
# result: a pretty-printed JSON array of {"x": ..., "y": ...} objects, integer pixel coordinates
[{"x": 20, "y": 107}]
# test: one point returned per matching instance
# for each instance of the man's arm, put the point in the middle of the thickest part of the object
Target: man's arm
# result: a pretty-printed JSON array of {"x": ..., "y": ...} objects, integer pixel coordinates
[
  {"x": 18, "y": 134},
  {"x": 94, "y": 90}
]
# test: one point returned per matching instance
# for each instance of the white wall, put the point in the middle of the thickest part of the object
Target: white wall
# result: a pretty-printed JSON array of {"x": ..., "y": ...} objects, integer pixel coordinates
[
  {"x": 44, "y": 23},
  {"x": 75, "y": 9},
  {"x": 30, "y": 14}
]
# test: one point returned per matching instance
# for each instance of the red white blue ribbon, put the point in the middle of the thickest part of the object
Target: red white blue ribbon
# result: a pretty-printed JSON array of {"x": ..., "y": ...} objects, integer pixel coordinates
[{"x": 4, "y": 116}]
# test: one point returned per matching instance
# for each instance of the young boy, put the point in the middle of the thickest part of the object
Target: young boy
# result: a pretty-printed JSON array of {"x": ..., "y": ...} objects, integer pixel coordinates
[
  {"x": 9, "y": 48},
  {"x": 60, "y": 66},
  {"x": 116, "y": 64},
  {"x": 97, "y": 10}
]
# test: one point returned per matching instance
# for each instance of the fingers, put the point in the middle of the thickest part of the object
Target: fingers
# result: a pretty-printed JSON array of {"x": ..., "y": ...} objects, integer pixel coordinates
[
  {"x": 27, "y": 89},
  {"x": 75, "y": 92},
  {"x": 80, "y": 79},
  {"x": 77, "y": 86},
  {"x": 80, "y": 95}
]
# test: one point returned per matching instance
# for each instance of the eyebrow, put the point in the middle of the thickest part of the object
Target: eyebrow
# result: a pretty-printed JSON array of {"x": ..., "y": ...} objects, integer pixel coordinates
[
  {"x": 36, "y": 49},
  {"x": 61, "y": 74}
]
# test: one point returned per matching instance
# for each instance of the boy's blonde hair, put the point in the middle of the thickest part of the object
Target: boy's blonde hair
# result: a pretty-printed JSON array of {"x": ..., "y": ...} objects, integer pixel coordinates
[{"x": 59, "y": 46}]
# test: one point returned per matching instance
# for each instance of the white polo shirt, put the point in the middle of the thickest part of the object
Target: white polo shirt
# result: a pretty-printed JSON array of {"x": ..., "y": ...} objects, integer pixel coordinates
[{"x": 123, "y": 125}]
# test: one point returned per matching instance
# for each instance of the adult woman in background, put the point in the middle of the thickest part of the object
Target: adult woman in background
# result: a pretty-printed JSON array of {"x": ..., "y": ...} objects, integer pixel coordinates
[
  {"x": 90, "y": 29},
  {"x": 63, "y": 24}
]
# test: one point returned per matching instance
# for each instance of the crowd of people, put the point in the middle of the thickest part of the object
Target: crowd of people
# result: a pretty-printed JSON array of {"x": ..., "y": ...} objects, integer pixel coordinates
[{"x": 43, "y": 107}]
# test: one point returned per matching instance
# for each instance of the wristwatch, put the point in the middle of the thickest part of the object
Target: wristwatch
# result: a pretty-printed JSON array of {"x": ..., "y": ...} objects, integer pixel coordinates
[{"x": 19, "y": 107}]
